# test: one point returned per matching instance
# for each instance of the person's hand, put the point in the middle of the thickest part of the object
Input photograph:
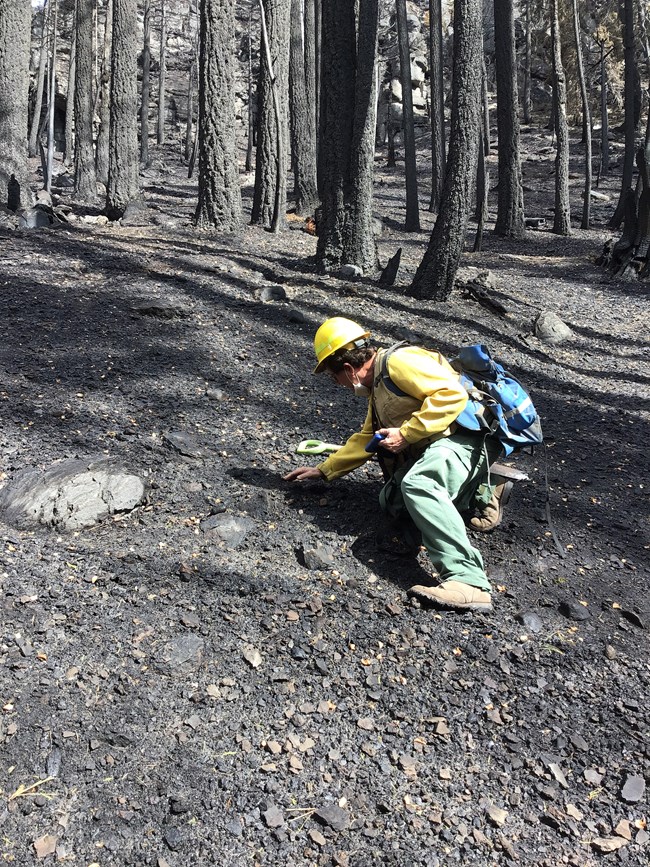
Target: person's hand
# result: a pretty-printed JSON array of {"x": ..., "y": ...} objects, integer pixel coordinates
[
  {"x": 394, "y": 441},
  {"x": 301, "y": 474}
]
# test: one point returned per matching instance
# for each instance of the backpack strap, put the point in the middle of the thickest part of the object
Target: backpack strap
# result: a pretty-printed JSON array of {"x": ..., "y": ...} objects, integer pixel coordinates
[{"x": 384, "y": 376}]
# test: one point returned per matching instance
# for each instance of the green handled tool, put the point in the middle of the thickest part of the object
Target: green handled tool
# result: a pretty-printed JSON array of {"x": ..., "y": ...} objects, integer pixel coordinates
[{"x": 316, "y": 447}]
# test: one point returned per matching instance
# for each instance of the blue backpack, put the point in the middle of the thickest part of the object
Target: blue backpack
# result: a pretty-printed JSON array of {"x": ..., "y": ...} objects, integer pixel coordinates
[{"x": 498, "y": 403}]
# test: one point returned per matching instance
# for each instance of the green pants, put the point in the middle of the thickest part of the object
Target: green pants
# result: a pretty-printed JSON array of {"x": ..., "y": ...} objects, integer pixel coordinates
[{"x": 449, "y": 478}]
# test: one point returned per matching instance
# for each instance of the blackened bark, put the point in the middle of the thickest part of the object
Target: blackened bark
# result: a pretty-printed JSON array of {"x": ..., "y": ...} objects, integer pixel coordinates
[
  {"x": 69, "y": 102},
  {"x": 626, "y": 13},
  {"x": 586, "y": 118},
  {"x": 310, "y": 63},
  {"x": 85, "y": 180},
  {"x": 303, "y": 131},
  {"x": 562, "y": 219},
  {"x": 604, "y": 119},
  {"x": 348, "y": 121},
  {"x": 101, "y": 154},
  {"x": 435, "y": 275},
  {"x": 162, "y": 75},
  {"x": 40, "y": 82},
  {"x": 360, "y": 246},
  {"x": 123, "y": 175},
  {"x": 219, "y": 204},
  {"x": 510, "y": 208},
  {"x": 272, "y": 136},
  {"x": 527, "y": 103},
  {"x": 15, "y": 33},
  {"x": 144, "y": 94},
  {"x": 437, "y": 103},
  {"x": 412, "y": 206}
]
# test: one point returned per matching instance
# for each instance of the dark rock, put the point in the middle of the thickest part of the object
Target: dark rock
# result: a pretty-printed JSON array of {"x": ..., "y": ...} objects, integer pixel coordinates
[
  {"x": 273, "y": 293},
  {"x": 174, "y": 838},
  {"x": 333, "y": 816},
  {"x": 181, "y": 655},
  {"x": 232, "y": 530},
  {"x": 633, "y": 617},
  {"x": 184, "y": 443},
  {"x": 318, "y": 557},
  {"x": 296, "y": 316},
  {"x": 531, "y": 620},
  {"x": 573, "y": 610},
  {"x": 273, "y": 817},
  {"x": 160, "y": 309}
]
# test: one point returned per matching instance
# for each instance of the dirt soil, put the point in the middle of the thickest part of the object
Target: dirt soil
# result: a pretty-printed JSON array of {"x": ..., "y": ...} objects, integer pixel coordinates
[{"x": 169, "y": 698}]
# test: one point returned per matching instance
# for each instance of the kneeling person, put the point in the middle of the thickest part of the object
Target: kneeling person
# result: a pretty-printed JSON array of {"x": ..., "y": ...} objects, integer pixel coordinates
[{"x": 435, "y": 470}]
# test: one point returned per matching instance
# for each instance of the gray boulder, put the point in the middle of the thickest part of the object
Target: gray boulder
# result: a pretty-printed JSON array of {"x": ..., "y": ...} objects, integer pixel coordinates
[
  {"x": 70, "y": 495},
  {"x": 550, "y": 328}
]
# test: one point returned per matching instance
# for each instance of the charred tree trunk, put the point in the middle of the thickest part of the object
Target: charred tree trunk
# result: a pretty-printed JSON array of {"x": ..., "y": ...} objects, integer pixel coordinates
[
  {"x": 219, "y": 204},
  {"x": 437, "y": 103},
  {"x": 604, "y": 119},
  {"x": 586, "y": 118},
  {"x": 85, "y": 179},
  {"x": 270, "y": 193},
  {"x": 527, "y": 103},
  {"x": 15, "y": 32},
  {"x": 626, "y": 12},
  {"x": 435, "y": 275},
  {"x": 162, "y": 75},
  {"x": 123, "y": 175},
  {"x": 510, "y": 209},
  {"x": 40, "y": 81},
  {"x": 348, "y": 117},
  {"x": 310, "y": 67},
  {"x": 303, "y": 132},
  {"x": 412, "y": 206},
  {"x": 101, "y": 154},
  {"x": 69, "y": 102},
  {"x": 49, "y": 165},
  {"x": 562, "y": 219},
  {"x": 144, "y": 94}
]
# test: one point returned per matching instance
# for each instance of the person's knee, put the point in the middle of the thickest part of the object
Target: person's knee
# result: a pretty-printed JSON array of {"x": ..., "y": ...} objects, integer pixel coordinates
[{"x": 416, "y": 484}]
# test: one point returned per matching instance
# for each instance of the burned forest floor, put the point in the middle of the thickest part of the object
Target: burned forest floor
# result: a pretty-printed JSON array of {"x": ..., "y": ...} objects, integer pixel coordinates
[{"x": 181, "y": 689}]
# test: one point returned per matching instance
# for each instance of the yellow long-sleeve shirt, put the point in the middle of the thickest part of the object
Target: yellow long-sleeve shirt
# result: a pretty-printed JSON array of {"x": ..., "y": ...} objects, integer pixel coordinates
[{"x": 433, "y": 400}]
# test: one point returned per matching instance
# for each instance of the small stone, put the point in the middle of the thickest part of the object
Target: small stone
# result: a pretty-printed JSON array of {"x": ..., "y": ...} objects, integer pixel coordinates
[
  {"x": 633, "y": 789},
  {"x": 579, "y": 742},
  {"x": 352, "y": 271},
  {"x": 444, "y": 773},
  {"x": 531, "y": 620},
  {"x": 623, "y": 829},
  {"x": 366, "y": 723},
  {"x": 318, "y": 557},
  {"x": 334, "y": 816},
  {"x": 174, "y": 838},
  {"x": 496, "y": 815},
  {"x": 573, "y": 610},
  {"x": 317, "y": 837},
  {"x": 608, "y": 844},
  {"x": 234, "y": 827},
  {"x": 273, "y": 817},
  {"x": 252, "y": 656},
  {"x": 559, "y": 776},
  {"x": 610, "y": 652},
  {"x": 593, "y": 777},
  {"x": 273, "y": 293}
]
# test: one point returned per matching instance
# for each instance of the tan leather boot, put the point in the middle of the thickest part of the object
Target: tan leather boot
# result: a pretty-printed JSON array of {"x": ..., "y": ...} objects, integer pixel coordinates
[
  {"x": 454, "y": 594},
  {"x": 492, "y": 513}
]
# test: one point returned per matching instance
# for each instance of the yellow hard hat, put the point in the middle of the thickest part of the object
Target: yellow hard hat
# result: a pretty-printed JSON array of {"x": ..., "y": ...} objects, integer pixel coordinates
[{"x": 334, "y": 334}]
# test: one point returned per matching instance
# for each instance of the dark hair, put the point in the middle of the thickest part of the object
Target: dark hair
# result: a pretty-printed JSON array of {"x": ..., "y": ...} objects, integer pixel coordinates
[{"x": 356, "y": 357}]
